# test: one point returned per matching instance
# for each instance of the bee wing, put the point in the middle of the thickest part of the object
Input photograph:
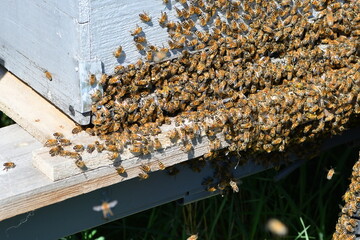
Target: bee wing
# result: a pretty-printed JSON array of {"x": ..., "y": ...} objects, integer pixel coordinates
[
  {"x": 113, "y": 203},
  {"x": 97, "y": 208}
]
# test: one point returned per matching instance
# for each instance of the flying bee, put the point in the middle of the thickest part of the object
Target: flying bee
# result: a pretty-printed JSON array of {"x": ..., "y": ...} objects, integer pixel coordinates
[
  {"x": 105, "y": 207},
  {"x": 143, "y": 175},
  {"x": 276, "y": 227},
  {"x": 144, "y": 17},
  {"x": 55, "y": 151},
  {"x": 211, "y": 189},
  {"x": 79, "y": 148},
  {"x": 163, "y": 18},
  {"x": 8, "y": 165},
  {"x": 76, "y": 129},
  {"x": 330, "y": 174},
  {"x": 51, "y": 143},
  {"x": 234, "y": 186},
  {"x": 193, "y": 237},
  {"x": 58, "y": 135}
]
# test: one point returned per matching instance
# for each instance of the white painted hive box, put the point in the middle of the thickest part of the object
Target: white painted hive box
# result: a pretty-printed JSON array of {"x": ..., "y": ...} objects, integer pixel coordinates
[{"x": 71, "y": 39}]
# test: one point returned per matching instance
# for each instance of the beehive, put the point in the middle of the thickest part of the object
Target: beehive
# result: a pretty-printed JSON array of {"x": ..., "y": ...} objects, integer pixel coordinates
[
  {"x": 247, "y": 82},
  {"x": 53, "y": 46}
]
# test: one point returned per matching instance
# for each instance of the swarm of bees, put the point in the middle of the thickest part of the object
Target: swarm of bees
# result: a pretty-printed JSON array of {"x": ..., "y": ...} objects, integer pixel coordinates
[
  {"x": 349, "y": 218},
  {"x": 265, "y": 75}
]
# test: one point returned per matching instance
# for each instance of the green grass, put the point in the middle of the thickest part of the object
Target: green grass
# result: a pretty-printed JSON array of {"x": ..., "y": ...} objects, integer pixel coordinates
[
  {"x": 5, "y": 120},
  {"x": 305, "y": 200}
]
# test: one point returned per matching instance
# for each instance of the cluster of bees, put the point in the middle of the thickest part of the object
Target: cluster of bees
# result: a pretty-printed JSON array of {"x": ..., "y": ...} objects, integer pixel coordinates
[
  {"x": 264, "y": 75},
  {"x": 349, "y": 219}
]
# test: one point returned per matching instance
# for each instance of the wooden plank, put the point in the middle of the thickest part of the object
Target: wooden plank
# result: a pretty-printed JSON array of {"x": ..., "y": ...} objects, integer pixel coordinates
[
  {"x": 58, "y": 167},
  {"x": 44, "y": 36},
  {"x": 31, "y": 111},
  {"x": 24, "y": 188}
]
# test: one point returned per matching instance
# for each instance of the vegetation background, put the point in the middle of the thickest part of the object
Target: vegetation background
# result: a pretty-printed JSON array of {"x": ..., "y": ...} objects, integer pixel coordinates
[{"x": 305, "y": 200}]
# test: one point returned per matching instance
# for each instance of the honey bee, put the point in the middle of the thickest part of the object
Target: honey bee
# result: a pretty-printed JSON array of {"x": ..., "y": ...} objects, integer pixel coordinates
[
  {"x": 92, "y": 79},
  {"x": 234, "y": 186},
  {"x": 211, "y": 189},
  {"x": 113, "y": 155},
  {"x": 157, "y": 144},
  {"x": 149, "y": 56},
  {"x": 145, "y": 167},
  {"x": 105, "y": 207},
  {"x": 139, "y": 47},
  {"x": 140, "y": 39},
  {"x": 74, "y": 155},
  {"x": 136, "y": 31},
  {"x": 99, "y": 147},
  {"x": 161, "y": 165},
  {"x": 77, "y": 129},
  {"x": 277, "y": 227},
  {"x": 117, "y": 53},
  {"x": 187, "y": 147},
  {"x": 163, "y": 18},
  {"x": 90, "y": 148},
  {"x": 79, "y": 148},
  {"x": 55, "y": 151},
  {"x": 51, "y": 143},
  {"x": 120, "y": 170},
  {"x": 330, "y": 174},
  {"x": 58, "y": 135},
  {"x": 8, "y": 165},
  {"x": 173, "y": 135},
  {"x": 80, "y": 164},
  {"x": 48, "y": 75},
  {"x": 215, "y": 144},
  {"x": 143, "y": 175},
  {"x": 144, "y": 17},
  {"x": 193, "y": 237}
]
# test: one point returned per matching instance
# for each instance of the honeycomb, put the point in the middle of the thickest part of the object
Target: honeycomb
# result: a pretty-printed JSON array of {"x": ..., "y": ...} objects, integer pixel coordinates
[{"x": 262, "y": 76}]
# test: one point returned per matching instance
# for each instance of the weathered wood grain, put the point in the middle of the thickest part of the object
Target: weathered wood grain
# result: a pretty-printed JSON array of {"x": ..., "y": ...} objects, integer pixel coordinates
[
  {"x": 24, "y": 188},
  {"x": 31, "y": 111},
  {"x": 70, "y": 39}
]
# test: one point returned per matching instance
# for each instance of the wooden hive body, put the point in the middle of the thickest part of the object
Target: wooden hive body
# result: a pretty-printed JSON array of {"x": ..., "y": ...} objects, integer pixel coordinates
[{"x": 71, "y": 39}]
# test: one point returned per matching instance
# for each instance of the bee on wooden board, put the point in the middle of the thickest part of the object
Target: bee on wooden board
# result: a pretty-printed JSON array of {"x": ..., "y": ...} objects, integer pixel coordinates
[
  {"x": 79, "y": 148},
  {"x": 58, "y": 135},
  {"x": 55, "y": 151},
  {"x": 77, "y": 129},
  {"x": 48, "y": 75},
  {"x": 120, "y": 170},
  {"x": 105, "y": 207},
  {"x": 8, "y": 165},
  {"x": 117, "y": 53},
  {"x": 136, "y": 31},
  {"x": 144, "y": 17},
  {"x": 51, "y": 143},
  {"x": 80, "y": 164},
  {"x": 143, "y": 175}
]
